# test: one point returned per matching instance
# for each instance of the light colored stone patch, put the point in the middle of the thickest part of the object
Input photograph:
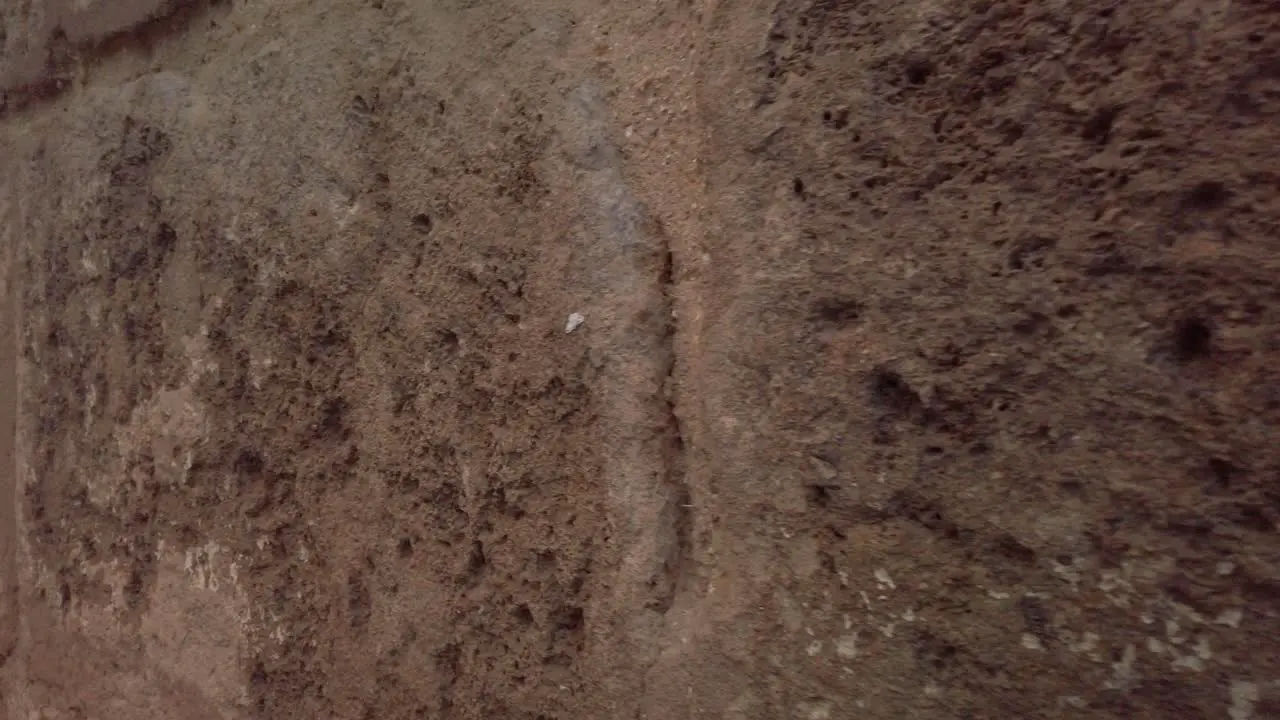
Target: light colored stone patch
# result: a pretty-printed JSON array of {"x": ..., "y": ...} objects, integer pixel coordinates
[
  {"x": 1087, "y": 644},
  {"x": 99, "y": 621},
  {"x": 883, "y": 581},
  {"x": 1116, "y": 586},
  {"x": 1230, "y": 618},
  {"x": 1070, "y": 573},
  {"x": 200, "y": 564},
  {"x": 815, "y": 709},
  {"x": 804, "y": 559},
  {"x": 1197, "y": 659},
  {"x": 1243, "y": 696},
  {"x": 847, "y": 646},
  {"x": 197, "y": 349},
  {"x": 1124, "y": 676},
  {"x": 195, "y": 630},
  {"x": 165, "y": 430}
]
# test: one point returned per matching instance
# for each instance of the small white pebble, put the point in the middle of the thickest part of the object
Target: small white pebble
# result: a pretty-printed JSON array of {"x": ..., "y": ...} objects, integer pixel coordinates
[
  {"x": 847, "y": 646},
  {"x": 575, "y": 320},
  {"x": 882, "y": 577}
]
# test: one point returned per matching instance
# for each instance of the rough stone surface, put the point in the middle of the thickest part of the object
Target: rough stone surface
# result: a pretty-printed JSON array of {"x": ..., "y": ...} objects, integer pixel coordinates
[{"x": 928, "y": 368}]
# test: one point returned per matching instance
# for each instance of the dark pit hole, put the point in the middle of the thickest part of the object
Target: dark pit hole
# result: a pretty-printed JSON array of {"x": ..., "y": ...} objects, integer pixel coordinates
[
  {"x": 166, "y": 238},
  {"x": 890, "y": 390},
  {"x": 1192, "y": 339},
  {"x": 1009, "y": 547},
  {"x": 838, "y": 311},
  {"x": 422, "y": 223},
  {"x": 248, "y": 462},
  {"x": 828, "y": 563},
  {"x": 1207, "y": 195},
  {"x": 1030, "y": 252},
  {"x": 797, "y": 187},
  {"x": 1223, "y": 472},
  {"x": 546, "y": 560},
  {"x": 133, "y": 590},
  {"x": 837, "y": 120},
  {"x": 1098, "y": 128},
  {"x": 918, "y": 70},
  {"x": 569, "y": 619},
  {"x": 945, "y": 654},
  {"x": 820, "y": 495},
  {"x": 1254, "y": 518},
  {"x": 1034, "y": 615},
  {"x": 332, "y": 415},
  {"x": 405, "y": 548},
  {"x": 476, "y": 560},
  {"x": 1031, "y": 324},
  {"x": 523, "y": 614},
  {"x": 449, "y": 341}
]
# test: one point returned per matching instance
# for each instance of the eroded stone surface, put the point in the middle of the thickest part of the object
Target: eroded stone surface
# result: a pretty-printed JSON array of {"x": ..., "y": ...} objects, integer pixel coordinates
[{"x": 926, "y": 369}]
